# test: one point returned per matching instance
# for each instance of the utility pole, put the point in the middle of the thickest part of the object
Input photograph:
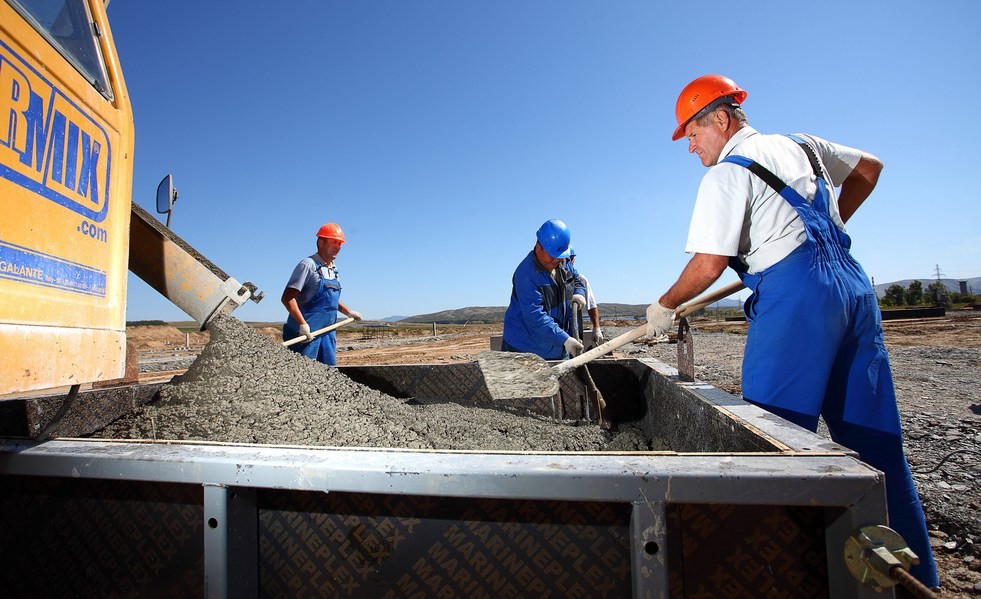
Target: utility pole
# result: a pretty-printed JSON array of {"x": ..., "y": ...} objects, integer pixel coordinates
[{"x": 941, "y": 290}]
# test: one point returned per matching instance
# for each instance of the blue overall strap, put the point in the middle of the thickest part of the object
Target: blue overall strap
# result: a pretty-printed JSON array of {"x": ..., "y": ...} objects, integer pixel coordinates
[
  {"x": 820, "y": 200},
  {"x": 786, "y": 192}
]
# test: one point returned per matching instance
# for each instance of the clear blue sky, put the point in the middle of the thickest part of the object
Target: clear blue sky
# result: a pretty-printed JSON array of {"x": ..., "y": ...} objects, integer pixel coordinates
[{"x": 441, "y": 134}]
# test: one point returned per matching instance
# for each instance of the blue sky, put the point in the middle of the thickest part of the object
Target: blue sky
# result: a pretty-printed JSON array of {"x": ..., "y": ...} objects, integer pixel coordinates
[{"x": 441, "y": 134}]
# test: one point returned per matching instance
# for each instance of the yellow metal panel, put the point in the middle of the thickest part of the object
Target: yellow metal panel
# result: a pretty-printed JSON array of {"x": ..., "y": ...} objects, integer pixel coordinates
[
  {"x": 46, "y": 357},
  {"x": 66, "y": 155}
]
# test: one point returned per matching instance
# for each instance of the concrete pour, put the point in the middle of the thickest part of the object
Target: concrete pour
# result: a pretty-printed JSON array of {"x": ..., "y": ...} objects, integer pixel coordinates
[{"x": 244, "y": 389}]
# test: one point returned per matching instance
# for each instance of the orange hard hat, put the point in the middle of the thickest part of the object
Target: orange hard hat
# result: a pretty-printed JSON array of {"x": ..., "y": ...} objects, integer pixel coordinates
[
  {"x": 331, "y": 231},
  {"x": 701, "y": 92}
]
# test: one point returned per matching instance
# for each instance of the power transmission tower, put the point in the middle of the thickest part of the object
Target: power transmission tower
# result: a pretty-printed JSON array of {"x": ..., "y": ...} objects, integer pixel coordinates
[{"x": 941, "y": 289}]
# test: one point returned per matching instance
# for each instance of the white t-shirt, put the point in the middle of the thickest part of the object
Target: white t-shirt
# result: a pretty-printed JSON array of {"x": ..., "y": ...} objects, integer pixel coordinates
[
  {"x": 590, "y": 300},
  {"x": 737, "y": 214}
]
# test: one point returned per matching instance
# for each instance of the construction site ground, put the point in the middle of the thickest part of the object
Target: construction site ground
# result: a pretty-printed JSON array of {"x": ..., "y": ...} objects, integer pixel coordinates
[{"x": 936, "y": 364}]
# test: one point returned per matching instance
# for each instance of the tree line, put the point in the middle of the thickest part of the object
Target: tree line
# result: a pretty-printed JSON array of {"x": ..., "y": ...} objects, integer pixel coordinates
[{"x": 935, "y": 294}]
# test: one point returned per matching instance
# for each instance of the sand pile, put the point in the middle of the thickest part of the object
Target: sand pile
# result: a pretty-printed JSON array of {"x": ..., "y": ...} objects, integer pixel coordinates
[{"x": 245, "y": 389}]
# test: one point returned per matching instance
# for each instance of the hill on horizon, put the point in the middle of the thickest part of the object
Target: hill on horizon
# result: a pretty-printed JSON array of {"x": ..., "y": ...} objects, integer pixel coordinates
[
  {"x": 495, "y": 314},
  {"x": 613, "y": 310},
  {"x": 608, "y": 310}
]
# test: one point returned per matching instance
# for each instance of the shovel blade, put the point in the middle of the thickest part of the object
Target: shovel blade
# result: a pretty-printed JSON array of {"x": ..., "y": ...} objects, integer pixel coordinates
[{"x": 511, "y": 375}]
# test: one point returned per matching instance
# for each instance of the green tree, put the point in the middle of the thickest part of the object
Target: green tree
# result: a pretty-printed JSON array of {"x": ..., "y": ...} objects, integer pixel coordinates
[
  {"x": 937, "y": 294},
  {"x": 914, "y": 294},
  {"x": 895, "y": 296}
]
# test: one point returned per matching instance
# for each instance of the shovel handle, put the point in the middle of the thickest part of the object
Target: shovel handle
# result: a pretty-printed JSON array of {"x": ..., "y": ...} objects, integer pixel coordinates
[
  {"x": 327, "y": 329},
  {"x": 635, "y": 334},
  {"x": 700, "y": 302},
  {"x": 601, "y": 350}
]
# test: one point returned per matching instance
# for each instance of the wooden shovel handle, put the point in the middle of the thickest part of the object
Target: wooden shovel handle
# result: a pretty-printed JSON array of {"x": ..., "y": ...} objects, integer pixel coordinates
[
  {"x": 327, "y": 329},
  {"x": 630, "y": 336},
  {"x": 700, "y": 302}
]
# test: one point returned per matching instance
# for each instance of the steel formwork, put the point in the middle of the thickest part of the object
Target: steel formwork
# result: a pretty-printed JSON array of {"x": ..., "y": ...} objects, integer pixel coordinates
[{"x": 746, "y": 505}]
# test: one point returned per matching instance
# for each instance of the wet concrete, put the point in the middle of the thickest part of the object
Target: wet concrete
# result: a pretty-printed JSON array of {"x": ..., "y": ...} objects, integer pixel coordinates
[
  {"x": 517, "y": 375},
  {"x": 245, "y": 389}
]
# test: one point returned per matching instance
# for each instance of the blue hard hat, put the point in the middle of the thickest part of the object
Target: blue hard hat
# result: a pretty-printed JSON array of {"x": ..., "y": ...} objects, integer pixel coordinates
[{"x": 555, "y": 238}]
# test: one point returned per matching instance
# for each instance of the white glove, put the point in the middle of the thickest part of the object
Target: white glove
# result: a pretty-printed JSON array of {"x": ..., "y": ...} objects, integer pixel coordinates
[
  {"x": 578, "y": 299},
  {"x": 597, "y": 336},
  {"x": 355, "y": 315},
  {"x": 305, "y": 331},
  {"x": 659, "y": 320},
  {"x": 573, "y": 346}
]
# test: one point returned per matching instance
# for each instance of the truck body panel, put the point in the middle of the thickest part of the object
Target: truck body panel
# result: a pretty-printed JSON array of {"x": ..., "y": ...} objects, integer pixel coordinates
[{"x": 66, "y": 151}]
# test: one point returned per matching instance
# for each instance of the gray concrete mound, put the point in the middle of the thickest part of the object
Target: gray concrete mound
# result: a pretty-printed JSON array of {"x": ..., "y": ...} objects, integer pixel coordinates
[{"x": 245, "y": 389}]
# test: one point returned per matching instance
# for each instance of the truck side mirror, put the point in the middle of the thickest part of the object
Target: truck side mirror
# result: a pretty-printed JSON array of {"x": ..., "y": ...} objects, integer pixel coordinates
[{"x": 166, "y": 197}]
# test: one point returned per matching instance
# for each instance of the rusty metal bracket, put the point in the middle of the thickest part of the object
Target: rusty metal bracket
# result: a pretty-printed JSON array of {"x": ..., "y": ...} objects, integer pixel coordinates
[{"x": 686, "y": 352}]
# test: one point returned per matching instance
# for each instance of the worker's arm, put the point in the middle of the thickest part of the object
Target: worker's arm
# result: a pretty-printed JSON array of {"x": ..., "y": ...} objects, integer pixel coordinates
[
  {"x": 347, "y": 311},
  {"x": 594, "y": 317},
  {"x": 858, "y": 185},
  {"x": 289, "y": 300},
  {"x": 700, "y": 272},
  {"x": 598, "y": 337}
]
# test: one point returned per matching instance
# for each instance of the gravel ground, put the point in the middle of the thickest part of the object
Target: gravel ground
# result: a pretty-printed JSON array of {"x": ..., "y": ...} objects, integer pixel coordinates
[{"x": 939, "y": 395}]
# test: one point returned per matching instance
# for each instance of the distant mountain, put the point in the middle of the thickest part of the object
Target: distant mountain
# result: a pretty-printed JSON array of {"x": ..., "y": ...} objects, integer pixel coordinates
[
  {"x": 495, "y": 314},
  {"x": 952, "y": 285},
  {"x": 473, "y": 315},
  {"x": 609, "y": 311}
]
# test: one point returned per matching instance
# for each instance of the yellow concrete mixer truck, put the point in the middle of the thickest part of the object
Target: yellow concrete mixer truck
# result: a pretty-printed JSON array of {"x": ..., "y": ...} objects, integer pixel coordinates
[
  {"x": 734, "y": 503},
  {"x": 69, "y": 230}
]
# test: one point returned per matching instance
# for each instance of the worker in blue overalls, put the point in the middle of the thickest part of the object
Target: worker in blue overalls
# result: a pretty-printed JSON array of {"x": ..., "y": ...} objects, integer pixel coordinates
[
  {"x": 539, "y": 318},
  {"x": 767, "y": 208},
  {"x": 313, "y": 297}
]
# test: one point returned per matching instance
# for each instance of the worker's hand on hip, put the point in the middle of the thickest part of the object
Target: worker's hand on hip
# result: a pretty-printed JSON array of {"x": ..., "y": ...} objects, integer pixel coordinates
[
  {"x": 598, "y": 336},
  {"x": 355, "y": 315},
  {"x": 305, "y": 331},
  {"x": 573, "y": 346},
  {"x": 659, "y": 320},
  {"x": 580, "y": 300}
]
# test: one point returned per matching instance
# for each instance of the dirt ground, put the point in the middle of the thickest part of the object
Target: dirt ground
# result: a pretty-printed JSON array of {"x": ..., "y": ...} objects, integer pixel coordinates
[
  {"x": 935, "y": 363},
  {"x": 458, "y": 343}
]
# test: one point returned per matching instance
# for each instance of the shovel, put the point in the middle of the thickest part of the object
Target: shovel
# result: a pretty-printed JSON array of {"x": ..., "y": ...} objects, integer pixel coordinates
[
  {"x": 512, "y": 375},
  {"x": 327, "y": 329}
]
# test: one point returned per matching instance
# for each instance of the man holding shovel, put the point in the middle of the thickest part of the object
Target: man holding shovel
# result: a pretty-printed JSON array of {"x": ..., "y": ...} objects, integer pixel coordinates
[
  {"x": 767, "y": 208},
  {"x": 592, "y": 308},
  {"x": 313, "y": 297},
  {"x": 539, "y": 317}
]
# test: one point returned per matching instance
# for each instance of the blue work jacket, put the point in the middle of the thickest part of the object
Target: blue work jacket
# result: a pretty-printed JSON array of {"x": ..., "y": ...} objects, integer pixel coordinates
[{"x": 539, "y": 316}]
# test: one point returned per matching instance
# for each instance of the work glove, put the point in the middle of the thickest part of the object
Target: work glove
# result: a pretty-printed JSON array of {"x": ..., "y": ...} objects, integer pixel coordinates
[
  {"x": 659, "y": 320},
  {"x": 355, "y": 315},
  {"x": 598, "y": 336},
  {"x": 573, "y": 346},
  {"x": 305, "y": 331},
  {"x": 578, "y": 299}
]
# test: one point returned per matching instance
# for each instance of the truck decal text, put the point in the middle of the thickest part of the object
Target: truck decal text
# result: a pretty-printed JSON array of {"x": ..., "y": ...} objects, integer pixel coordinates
[
  {"x": 49, "y": 145},
  {"x": 30, "y": 266}
]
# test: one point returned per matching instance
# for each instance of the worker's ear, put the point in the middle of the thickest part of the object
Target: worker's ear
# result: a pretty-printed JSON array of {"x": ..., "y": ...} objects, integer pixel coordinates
[{"x": 721, "y": 119}]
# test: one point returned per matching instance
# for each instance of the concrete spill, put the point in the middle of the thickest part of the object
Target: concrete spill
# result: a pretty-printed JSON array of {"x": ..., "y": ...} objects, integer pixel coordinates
[{"x": 245, "y": 389}]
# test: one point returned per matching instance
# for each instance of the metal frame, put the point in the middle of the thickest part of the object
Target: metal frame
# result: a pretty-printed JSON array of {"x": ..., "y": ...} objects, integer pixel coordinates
[{"x": 807, "y": 471}]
